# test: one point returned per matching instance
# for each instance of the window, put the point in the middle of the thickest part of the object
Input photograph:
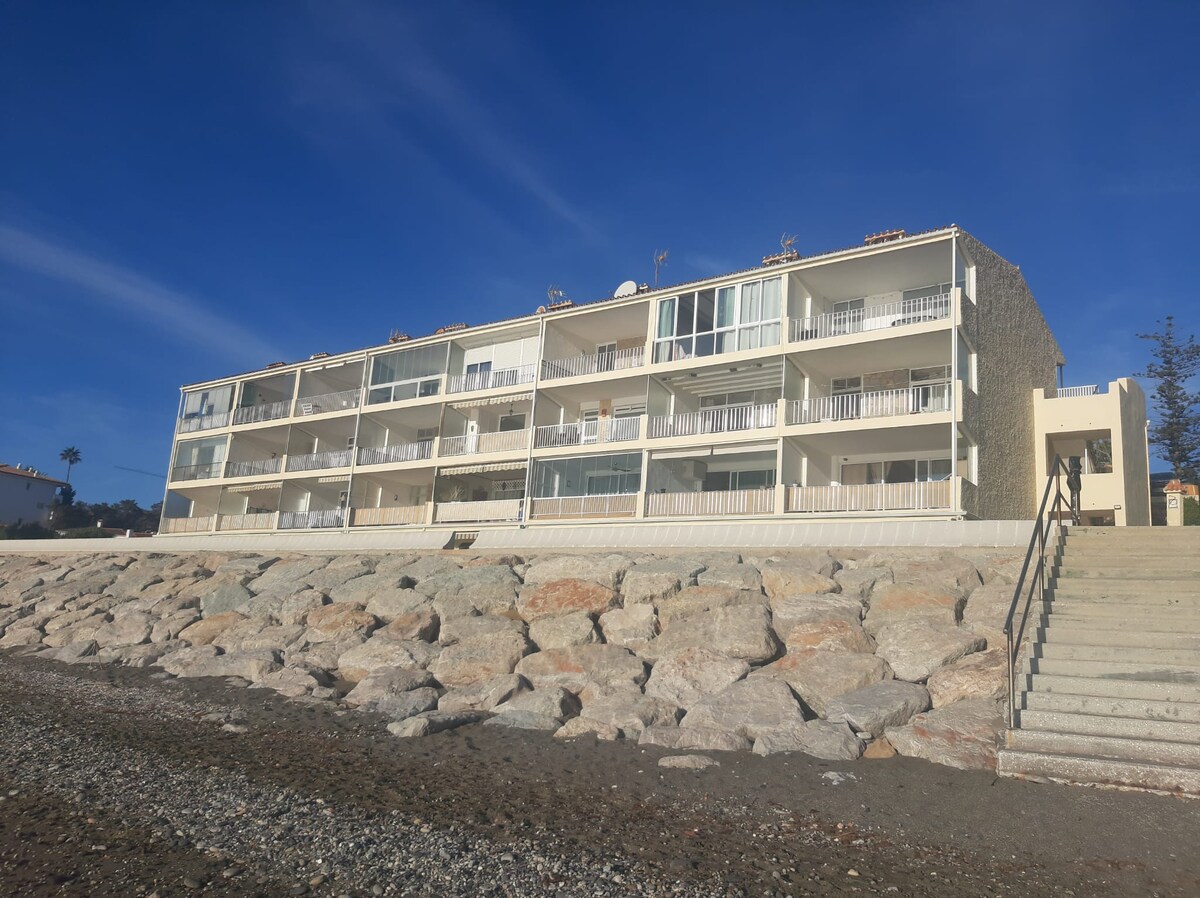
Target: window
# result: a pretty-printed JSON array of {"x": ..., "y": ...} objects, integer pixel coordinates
[
  {"x": 903, "y": 470},
  {"x": 407, "y": 374},
  {"x": 512, "y": 422},
  {"x": 710, "y": 322},
  {"x": 1099, "y": 456},
  {"x": 722, "y": 481},
  {"x": 597, "y": 475}
]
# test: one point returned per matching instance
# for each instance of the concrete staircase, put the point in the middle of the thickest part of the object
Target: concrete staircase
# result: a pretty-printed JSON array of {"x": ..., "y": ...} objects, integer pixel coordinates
[{"x": 1110, "y": 692}]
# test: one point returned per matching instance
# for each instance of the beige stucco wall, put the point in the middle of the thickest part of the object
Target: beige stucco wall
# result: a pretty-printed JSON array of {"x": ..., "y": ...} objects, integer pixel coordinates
[{"x": 1016, "y": 354}]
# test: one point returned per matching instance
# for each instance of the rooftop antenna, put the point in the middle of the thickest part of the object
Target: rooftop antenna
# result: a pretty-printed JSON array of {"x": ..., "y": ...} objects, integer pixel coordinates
[
  {"x": 660, "y": 262},
  {"x": 554, "y": 293},
  {"x": 788, "y": 242}
]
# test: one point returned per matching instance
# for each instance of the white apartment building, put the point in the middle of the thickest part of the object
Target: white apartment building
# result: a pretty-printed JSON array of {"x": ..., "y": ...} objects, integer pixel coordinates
[{"x": 895, "y": 379}]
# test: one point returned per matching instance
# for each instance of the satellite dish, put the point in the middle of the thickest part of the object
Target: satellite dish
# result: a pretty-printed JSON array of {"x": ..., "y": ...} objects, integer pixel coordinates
[{"x": 628, "y": 288}]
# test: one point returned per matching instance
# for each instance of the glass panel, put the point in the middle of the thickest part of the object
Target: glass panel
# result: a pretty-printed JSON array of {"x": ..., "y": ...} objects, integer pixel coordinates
[
  {"x": 512, "y": 422},
  {"x": 381, "y": 394},
  {"x": 748, "y": 338},
  {"x": 726, "y": 306},
  {"x": 770, "y": 334},
  {"x": 900, "y": 471},
  {"x": 771, "y": 298},
  {"x": 936, "y": 374},
  {"x": 683, "y": 348},
  {"x": 704, "y": 311},
  {"x": 939, "y": 469},
  {"x": 685, "y": 320},
  {"x": 751, "y": 300},
  {"x": 666, "y": 317},
  {"x": 662, "y": 351},
  {"x": 726, "y": 342},
  {"x": 704, "y": 344}
]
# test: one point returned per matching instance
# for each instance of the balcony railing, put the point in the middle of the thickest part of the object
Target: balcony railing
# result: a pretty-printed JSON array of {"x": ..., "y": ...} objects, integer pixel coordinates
[
  {"x": 486, "y": 380},
  {"x": 497, "y": 441},
  {"x": 382, "y": 517},
  {"x": 487, "y": 510},
  {"x": 1068, "y": 392},
  {"x": 606, "y": 430},
  {"x": 713, "y": 420},
  {"x": 252, "y": 414},
  {"x": 597, "y": 363},
  {"x": 192, "y": 423},
  {"x": 328, "y": 402},
  {"x": 854, "y": 321},
  {"x": 206, "y": 471},
  {"x": 305, "y": 520},
  {"x": 618, "y": 505},
  {"x": 255, "y": 468},
  {"x": 201, "y": 524},
  {"x": 853, "y": 406},
  {"x": 728, "y": 502},
  {"x": 259, "y": 520},
  {"x": 932, "y": 495},
  {"x": 382, "y": 455},
  {"x": 339, "y": 458}
]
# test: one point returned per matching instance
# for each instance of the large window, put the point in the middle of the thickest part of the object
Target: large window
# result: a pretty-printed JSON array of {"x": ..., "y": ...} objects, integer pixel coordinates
[
  {"x": 711, "y": 322},
  {"x": 407, "y": 374},
  {"x": 597, "y": 475},
  {"x": 899, "y": 470}
]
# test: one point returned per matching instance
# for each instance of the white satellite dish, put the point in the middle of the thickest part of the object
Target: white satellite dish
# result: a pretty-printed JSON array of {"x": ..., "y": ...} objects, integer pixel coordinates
[{"x": 628, "y": 288}]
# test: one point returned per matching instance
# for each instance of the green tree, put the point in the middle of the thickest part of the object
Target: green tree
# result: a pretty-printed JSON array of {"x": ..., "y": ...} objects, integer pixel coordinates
[
  {"x": 71, "y": 456},
  {"x": 1177, "y": 426}
]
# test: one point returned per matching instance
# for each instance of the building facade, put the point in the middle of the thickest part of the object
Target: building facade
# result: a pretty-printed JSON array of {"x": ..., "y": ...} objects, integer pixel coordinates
[
  {"x": 892, "y": 379},
  {"x": 26, "y": 495}
]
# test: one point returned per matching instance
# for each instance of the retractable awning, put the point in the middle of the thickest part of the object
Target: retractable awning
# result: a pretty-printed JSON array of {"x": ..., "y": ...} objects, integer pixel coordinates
[
  {"x": 483, "y": 469},
  {"x": 495, "y": 400}
]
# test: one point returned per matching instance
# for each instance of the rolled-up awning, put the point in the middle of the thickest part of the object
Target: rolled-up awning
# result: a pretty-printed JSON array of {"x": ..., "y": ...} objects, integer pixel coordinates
[
  {"x": 483, "y": 469},
  {"x": 494, "y": 400},
  {"x": 252, "y": 487}
]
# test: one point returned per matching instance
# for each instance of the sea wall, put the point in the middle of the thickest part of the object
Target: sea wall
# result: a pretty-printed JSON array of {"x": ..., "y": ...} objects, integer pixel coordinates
[{"x": 836, "y": 653}]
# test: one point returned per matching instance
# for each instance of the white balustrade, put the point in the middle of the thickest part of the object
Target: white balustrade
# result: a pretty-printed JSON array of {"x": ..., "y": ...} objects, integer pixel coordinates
[
  {"x": 304, "y": 520},
  {"x": 255, "y": 468},
  {"x": 382, "y": 455},
  {"x": 604, "y": 430},
  {"x": 339, "y": 458},
  {"x": 726, "y": 502},
  {"x": 594, "y": 363},
  {"x": 617, "y": 505},
  {"x": 201, "y": 524},
  {"x": 880, "y": 404},
  {"x": 486, "y": 510},
  {"x": 854, "y": 321},
  {"x": 496, "y": 441},
  {"x": 328, "y": 402},
  {"x": 1068, "y": 392},
  {"x": 192, "y": 423},
  {"x": 252, "y": 414},
  {"x": 929, "y": 495},
  {"x": 259, "y": 520},
  {"x": 713, "y": 420},
  {"x": 486, "y": 380},
  {"x": 381, "y": 517}
]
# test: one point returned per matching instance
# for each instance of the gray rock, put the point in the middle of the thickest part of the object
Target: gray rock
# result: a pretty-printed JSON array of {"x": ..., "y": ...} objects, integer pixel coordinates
[
  {"x": 874, "y": 708},
  {"x": 582, "y": 726},
  {"x": 861, "y": 581},
  {"x": 392, "y": 603},
  {"x": 458, "y": 629},
  {"x": 129, "y": 629},
  {"x": 694, "y": 738},
  {"x": 564, "y": 631},
  {"x": 550, "y": 702},
  {"x": 480, "y": 658},
  {"x": 430, "y": 722},
  {"x": 484, "y": 695},
  {"x": 819, "y": 738},
  {"x": 688, "y": 676},
  {"x": 699, "y": 599},
  {"x": 222, "y": 594},
  {"x": 837, "y": 635},
  {"x": 652, "y": 581},
  {"x": 385, "y": 683},
  {"x": 739, "y": 632},
  {"x": 964, "y": 735},
  {"x": 524, "y": 720},
  {"x": 289, "y": 576},
  {"x": 916, "y": 649},
  {"x": 688, "y": 762},
  {"x": 894, "y": 603},
  {"x": 983, "y": 675},
  {"x": 631, "y": 626},
  {"x": 818, "y": 677},
  {"x": 607, "y": 570},
  {"x": 575, "y": 667},
  {"x": 629, "y": 711},
  {"x": 379, "y": 651},
  {"x": 799, "y": 577},
  {"x": 732, "y": 576},
  {"x": 749, "y": 707},
  {"x": 252, "y": 666}
]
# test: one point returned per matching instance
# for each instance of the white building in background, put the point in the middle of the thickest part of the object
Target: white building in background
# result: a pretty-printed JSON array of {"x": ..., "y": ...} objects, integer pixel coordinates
[
  {"x": 26, "y": 495},
  {"x": 895, "y": 379}
]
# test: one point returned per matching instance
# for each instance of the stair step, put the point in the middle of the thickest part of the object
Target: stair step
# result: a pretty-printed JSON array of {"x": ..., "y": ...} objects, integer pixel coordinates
[
  {"x": 1155, "y": 751},
  {"x": 1121, "y": 654},
  {"x": 1186, "y": 601},
  {"x": 1114, "y": 623},
  {"x": 1066, "y": 631},
  {"x": 1140, "y": 708},
  {"x": 1099, "y": 771},
  {"x": 1114, "y": 670},
  {"x": 1131, "y": 610},
  {"x": 1116, "y": 727},
  {"x": 1100, "y": 687}
]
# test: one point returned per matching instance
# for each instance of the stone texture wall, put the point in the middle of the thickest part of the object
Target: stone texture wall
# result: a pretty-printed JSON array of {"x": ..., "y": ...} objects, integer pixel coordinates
[
  {"x": 1016, "y": 353},
  {"x": 833, "y": 653}
]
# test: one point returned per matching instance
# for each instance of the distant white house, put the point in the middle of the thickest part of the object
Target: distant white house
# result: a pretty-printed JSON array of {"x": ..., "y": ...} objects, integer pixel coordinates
[{"x": 26, "y": 495}]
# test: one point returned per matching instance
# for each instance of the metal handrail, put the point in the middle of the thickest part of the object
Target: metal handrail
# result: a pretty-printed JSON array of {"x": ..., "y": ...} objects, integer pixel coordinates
[{"x": 1041, "y": 531}]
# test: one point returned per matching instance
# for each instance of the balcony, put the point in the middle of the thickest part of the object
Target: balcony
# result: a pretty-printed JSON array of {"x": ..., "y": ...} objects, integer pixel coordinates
[
  {"x": 255, "y": 468},
  {"x": 192, "y": 423},
  {"x": 856, "y": 321},
  {"x": 858, "y": 406},
  {"x": 479, "y": 443},
  {"x": 595, "y": 363},
  {"x": 715, "y": 420},
  {"x": 936, "y": 495},
  {"x": 311, "y": 520},
  {"x": 384, "y": 455},
  {"x": 388, "y": 517},
  {"x": 316, "y": 461},
  {"x": 261, "y": 520},
  {"x": 206, "y": 471},
  {"x": 486, "y": 380},
  {"x": 728, "y": 502},
  {"x": 475, "y": 512},
  {"x": 201, "y": 524},
  {"x": 328, "y": 402},
  {"x": 618, "y": 505},
  {"x": 606, "y": 430},
  {"x": 1071, "y": 392},
  {"x": 271, "y": 411}
]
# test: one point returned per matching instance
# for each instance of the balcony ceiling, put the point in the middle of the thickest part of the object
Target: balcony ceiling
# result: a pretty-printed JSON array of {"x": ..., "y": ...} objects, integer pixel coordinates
[
  {"x": 727, "y": 378},
  {"x": 393, "y": 479},
  {"x": 886, "y": 440},
  {"x": 428, "y": 415},
  {"x": 884, "y": 272},
  {"x": 632, "y": 388},
  {"x": 488, "y": 336},
  {"x": 597, "y": 326},
  {"x": 909, "y": 351}
]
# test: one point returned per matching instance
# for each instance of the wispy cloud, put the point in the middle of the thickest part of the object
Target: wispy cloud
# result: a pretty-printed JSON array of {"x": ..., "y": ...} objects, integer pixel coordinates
[{"x": 181, "y": 317}]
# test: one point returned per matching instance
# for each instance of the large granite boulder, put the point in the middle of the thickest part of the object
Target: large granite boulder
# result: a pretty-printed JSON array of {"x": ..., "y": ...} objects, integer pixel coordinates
[
  {"x": 607, "y": 570},
  {"x": 575, "y": 667},
  {"x": 874, "y": 708},
  {"x": 203, "y": 632},
  {"x": 818, "y": 677},
  {"x": 794, "y": 578},
  {"x": 983, "y": 675},
  {"x": 339, "y": 622},
  {"x": 732, "y": 576},
  {"x": 819, "y": 738},
  {"x": 699, "y": 599},
  {"x": 694, "y": 738},
  {"x": 483, "y": 695},
  {"x": 897, "y": 602},
  {"x": 915, "y": 649},
  {"x": 737, "y": 631},
  {"x": 631, "y": 626},
  {"x": 554, "y": 597},
  {"x": 684, "y": 678},
  {"x": 480, "y": 658},
  {"x": 651, "y": 581},
  {"x": 354, "y": 664},
  {"x": 748, "y": 708},
  {"x": 965, "y": 735},
  {"x": 564, "y": 631},
  {"x": 835, "y": 635}
]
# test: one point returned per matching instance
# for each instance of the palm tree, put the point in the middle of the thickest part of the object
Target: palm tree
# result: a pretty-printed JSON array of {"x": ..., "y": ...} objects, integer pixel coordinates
[{"x": 71, "y": 456}]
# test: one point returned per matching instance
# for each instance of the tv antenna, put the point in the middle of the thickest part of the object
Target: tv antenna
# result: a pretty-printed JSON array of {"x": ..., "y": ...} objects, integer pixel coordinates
[
  {"x": 788, "y": 242},
  {"x": 660, "y": 262},
  {"x": 554, "y": 294}
]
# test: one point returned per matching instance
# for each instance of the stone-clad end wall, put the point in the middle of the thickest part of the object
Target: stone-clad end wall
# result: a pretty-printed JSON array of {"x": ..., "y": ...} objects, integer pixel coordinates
[{"x": 833, "y": 653}]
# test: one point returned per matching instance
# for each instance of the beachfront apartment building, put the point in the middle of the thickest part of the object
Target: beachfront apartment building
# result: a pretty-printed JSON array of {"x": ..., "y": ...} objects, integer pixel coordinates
[{"x": 895, "y": 379}]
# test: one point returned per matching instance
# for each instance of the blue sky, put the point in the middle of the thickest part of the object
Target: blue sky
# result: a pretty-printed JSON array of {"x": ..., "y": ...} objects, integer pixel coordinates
[{"x": 192, "y": 190}]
